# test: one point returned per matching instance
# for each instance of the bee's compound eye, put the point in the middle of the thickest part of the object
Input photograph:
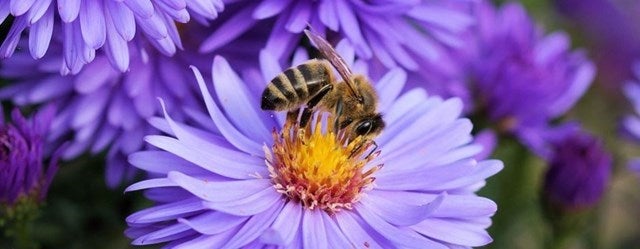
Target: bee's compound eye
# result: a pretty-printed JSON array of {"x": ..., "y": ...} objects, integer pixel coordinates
[{"x": 364, "y": 127}]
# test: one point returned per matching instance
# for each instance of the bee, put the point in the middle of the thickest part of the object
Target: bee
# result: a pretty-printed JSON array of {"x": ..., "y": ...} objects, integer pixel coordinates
[{"x": 353, "y": 100}]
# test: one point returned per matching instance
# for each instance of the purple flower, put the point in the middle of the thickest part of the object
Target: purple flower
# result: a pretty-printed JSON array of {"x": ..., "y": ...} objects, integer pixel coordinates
[
  {"x": 102, "y": 108},
  {"x": 88, "y": 25},
  {"x": 578, "y": 173},
  {"x": 233, "y": 181},
  {"x": 23, "y": 172},
  {"x": 405, "y": 33},
  {"x": 524, "y": 79},
  {"x": 615, "y": 52}
]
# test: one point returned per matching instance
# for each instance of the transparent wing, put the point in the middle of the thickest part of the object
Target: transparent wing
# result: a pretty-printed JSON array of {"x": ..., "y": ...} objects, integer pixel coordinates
[{"x": 335, "y": 59}]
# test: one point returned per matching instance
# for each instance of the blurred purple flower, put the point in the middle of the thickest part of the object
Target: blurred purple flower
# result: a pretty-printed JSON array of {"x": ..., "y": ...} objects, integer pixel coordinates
[
  {"x": 630, "y": 124},
  {"x": 88, "y": 25},
  {"x": 23, "y": 174},
  {"x": 214, "y": 185},
  {"x": 615, "y": 52},
  {"x": 579, "y": 172},
  {"x": 405, "y": 33},
  {"x": 521, "y": 78},
  {"x": 102, "y": 108}
]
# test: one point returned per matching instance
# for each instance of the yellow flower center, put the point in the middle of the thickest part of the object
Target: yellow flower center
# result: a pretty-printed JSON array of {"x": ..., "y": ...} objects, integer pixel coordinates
[{"x": 319, "y": 168}]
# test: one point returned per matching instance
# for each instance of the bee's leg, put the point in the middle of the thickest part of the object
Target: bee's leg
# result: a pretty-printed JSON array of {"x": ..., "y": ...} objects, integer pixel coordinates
[
  {"x": 292, "y": 116},
  {"x": 357, "y": 148},
  {"x": 336, "y": 124},
  {"x": 306, "y": 113}
]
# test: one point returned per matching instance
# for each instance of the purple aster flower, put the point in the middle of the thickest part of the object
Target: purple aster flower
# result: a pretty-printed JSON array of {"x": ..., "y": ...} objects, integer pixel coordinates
[
  {"x": 85, "y": 26},
  {"x": 579, "y": 172},
  {"x": 24, "y": 175},
  {"x": 405, "y": 33},
  {"x": 524, "y": 79},
  {"x": 247, "y": 179},
  {"x": 102, "y": 108}
]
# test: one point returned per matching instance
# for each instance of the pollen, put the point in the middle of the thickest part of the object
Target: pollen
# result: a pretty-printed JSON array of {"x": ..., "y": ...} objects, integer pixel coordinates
[{"x": 320, "y": 168}]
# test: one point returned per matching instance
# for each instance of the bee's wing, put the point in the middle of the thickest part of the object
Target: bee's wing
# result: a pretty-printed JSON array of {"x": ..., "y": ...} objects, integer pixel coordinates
[{"x": 335, "y": 59}]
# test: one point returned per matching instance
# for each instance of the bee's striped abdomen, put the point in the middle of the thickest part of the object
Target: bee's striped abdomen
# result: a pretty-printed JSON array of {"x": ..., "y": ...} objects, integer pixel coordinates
[{"x": 295, "y": 86}]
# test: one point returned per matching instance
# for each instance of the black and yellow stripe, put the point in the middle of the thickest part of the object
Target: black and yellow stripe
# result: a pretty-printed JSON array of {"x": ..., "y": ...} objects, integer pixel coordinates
[{"x": 295, "y": 86}]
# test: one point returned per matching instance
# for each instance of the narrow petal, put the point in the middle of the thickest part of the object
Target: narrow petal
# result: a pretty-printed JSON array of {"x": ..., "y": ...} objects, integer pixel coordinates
[
  {"x": 400, "y": 213},
  {"x": 354, "y": 232},
  {"x": 254, "y": 204},
  {"x": 219, "y": 191},
  {"x": 238, "y": 103},
  {"x": 68, "y": 10},
  {"x": 298, "y": 21},
  {"x": 123, "y": 19},
  {"x": 227, "y": 129},
  {"x": 92, "y": 24},
  {"x": 313, "y": 230},
  {"x": 166, "y": 212},
  {"x": 117, "y": 48},
  {"x": 151, "y": 183},
  {"x": 269, "y": 8},
  {"x": 40, "y": 35},
  {"x": 13, "y": 37},
  {"x": 255, "y": 226},
  {"x": 141, "y": 8},
  {"x": 38, "y": 9},
  {"x": 402, "y": 237},
  {"x": 389, "y": 87},
  {"x": 162, "y": 162},
  {"x": 454, "y": 231},
  {"x": 211, "y": 223},
  {"x": 228, "y": 31},
  {"x": 19, "y": 7},
  {"x": 153, "y": 26},
  {"x": 169, "y": 233},
  {"x": 335, "y": 237},
  {"x": 285, "y": 227}
]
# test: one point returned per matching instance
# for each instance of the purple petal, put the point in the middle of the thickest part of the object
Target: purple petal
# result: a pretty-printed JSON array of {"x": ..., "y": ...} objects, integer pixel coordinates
[
  {"x": 443, "y": 17},
  {"x": 285, "y": 227},
  {"x": 40, "y": 35},
  {"x": 433, "y": 178},
  {"x": 90, "y": 107},
  {"x": 298, "y": 21},
  {"x": 205, "y": 241},
  {"x": 463, "y": 206},
  {"x": 228, "y": 31},
  {"x": 166, "y": 212},
  {"x": 327, "y": 15},
  {"x": 165, "y": 234},
  {"x": 226, "y": 128},
  {"x": 454, "y": 231},
  {"x": 336, "y": 238},
  {"x": 49, "y": 88},
  {"x": 269, "y": 8},
  {"x": 19, "y": 7},
  {"x": 397, "y": 212},
  {"x": 252, "y": 205},
  {"x": 13, "y": 37},
  {"x": 151, "y": 183},
  {"x": 175, "y": 4},
  {"x": 240, "y": 107},
  {"x": 162, "y": 162},
  {"x": 68, "y": 10},
  {"x": 255, "y": 226},
  {"x": 94, "y": 77},
  {"x": 92, "y": 24},
  {"x": 220, "y": 191},
  {"x": 203, "y": 7},
  {"x": 141, "y": 8},
  {"x": 211, "y": 223},
  {"x": 203, "y": 147},
  {"x": 355, "y": 233},
  {"x": 122, "y": 18},
  {"x": 4, "y": 11},
  {"x": 153, "y": 26},
  {"x": 401, "y": 237},
  {"x": 116, "y": 50},
  {"x": 215, "y": 163},
  {"x": 390, "y": 87},
  {"x": 313, "y": 229},
  {"x": 38, "y": 9},
  {"x": 351, "y": 28}
]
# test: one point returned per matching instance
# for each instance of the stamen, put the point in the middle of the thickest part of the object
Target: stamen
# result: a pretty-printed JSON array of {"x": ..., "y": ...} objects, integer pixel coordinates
[{"x": 319, "y": 168}]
